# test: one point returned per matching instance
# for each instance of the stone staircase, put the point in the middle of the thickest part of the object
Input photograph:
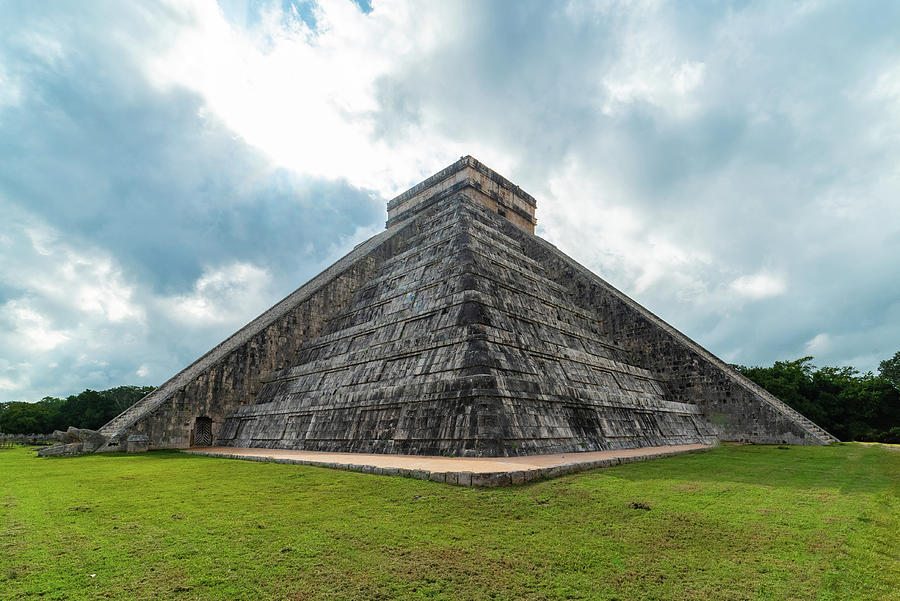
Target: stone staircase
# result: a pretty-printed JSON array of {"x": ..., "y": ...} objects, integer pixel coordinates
[
  {"x": 136, "y": 411},
  {"x": 155, "y": 399},
  {"x": 807, "y": 424}
]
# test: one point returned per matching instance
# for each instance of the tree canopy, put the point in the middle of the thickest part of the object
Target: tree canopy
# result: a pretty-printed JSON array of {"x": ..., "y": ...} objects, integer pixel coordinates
[
  {"x": 850, "y": 405},
  {"x": 89, "y": 409},
  {"x": 889, "y": 369}
]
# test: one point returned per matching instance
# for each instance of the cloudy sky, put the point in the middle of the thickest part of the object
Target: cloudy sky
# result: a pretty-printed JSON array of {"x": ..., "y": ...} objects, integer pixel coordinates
[{"x": 168, "y": 170}]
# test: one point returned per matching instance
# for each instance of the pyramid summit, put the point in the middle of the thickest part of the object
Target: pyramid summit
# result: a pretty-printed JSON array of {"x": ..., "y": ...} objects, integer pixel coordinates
[{"x": 457, "y": 331}]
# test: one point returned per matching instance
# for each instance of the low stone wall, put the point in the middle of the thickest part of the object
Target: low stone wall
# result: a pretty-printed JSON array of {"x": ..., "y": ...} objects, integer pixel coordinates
[
  {"x": 11, "y": 439},
  {"x": 461, "y": 478}
]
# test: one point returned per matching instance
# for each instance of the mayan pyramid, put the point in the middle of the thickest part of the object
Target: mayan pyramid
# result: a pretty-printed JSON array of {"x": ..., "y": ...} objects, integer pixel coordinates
[{"x": 457, "y": 331}]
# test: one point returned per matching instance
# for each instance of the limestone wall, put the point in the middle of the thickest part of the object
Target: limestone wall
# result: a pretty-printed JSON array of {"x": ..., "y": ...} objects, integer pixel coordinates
[
  {"x": 461, "y": 345},
  {"x": 230, "y": 374},
  {"x": 558, "y": 340},
  {"x": 486, "y": 186},
  {"x": 741, "y": 410}
]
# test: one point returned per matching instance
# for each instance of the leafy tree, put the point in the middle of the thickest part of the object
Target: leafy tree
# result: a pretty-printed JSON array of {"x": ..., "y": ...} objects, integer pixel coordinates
[
  {"x": 89, "y": 409},
  {"x": 123, "y": 397},
  {"x": 889, "y": 369},
  {"x": 790, "y": 381},
  {"x": 25, "y": 418},
  {"x": 850, "y": 405}
]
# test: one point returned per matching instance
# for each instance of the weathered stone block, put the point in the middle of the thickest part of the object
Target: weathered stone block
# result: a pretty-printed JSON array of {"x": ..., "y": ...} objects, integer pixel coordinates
[
  {"x": 62, "y": 450},
  {"x": 137, "y": 443},
  {"x": 63, "y": 437}
]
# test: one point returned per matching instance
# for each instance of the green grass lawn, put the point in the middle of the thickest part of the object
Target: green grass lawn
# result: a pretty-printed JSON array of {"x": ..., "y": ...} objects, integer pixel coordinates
[{"x": 748, "y": 522}]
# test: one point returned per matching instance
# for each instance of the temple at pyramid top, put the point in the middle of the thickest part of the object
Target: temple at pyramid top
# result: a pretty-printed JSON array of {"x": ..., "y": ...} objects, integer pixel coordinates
[
  {"x": 481, "y": 183},
  {"x": 457, "y": 331}
]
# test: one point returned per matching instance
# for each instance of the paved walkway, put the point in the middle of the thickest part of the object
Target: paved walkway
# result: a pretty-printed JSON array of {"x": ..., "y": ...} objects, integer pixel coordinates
[{"x": 466, "y": 471}]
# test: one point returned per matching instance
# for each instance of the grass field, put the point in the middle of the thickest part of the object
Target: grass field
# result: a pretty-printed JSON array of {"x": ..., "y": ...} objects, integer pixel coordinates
[{"x": 746, "y": 522}]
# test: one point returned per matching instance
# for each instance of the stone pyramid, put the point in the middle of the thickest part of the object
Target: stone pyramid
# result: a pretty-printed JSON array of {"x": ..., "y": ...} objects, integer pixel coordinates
[{"x": 457, "y": 331}]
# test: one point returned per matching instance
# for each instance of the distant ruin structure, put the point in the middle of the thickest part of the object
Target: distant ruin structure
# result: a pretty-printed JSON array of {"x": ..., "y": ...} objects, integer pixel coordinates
[{"x": 457, "y": 331}]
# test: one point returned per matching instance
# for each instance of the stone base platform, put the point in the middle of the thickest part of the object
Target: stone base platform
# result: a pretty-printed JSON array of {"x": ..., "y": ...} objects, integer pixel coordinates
[{"x": 463, "y": 471}]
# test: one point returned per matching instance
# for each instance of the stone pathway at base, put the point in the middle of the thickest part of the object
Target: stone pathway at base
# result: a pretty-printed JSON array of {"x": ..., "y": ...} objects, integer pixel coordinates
[{"x": 464, "y": 471}]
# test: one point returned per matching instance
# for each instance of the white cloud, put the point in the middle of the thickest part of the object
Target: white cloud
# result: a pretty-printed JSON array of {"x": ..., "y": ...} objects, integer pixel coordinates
[
  {"x": 82, "y": 279},
  {"x": 759, "y": 286},
  {"x": 307, "y": 98},
  {"x": 10, "y": 89},
  {"x": 77, "y": 316},
  {"x": 222, "y": 295},
  {"x": 887, "y": 86},
  {"x": 13, "y": 377},
  {"x": 652, "y": 65},
  {"x": 673, "y": 152},
  {"x": 596, "y": 224},
  {"x": 31, "y": 332},
  {"x": 820, "y": 343},
  {"x": 8, "y": 384},
  {"x": 688, "y": 76},
  {"x": 656, "y": 81}
]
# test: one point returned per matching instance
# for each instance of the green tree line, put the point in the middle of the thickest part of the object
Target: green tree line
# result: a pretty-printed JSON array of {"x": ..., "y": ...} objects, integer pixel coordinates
[
  {"x": 847, "y": 403},
  {"x": 89, "y": 409}
]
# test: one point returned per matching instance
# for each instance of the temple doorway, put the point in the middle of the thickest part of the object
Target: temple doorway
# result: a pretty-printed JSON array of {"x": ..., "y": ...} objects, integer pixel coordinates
[{"x": 201, "y": 435}]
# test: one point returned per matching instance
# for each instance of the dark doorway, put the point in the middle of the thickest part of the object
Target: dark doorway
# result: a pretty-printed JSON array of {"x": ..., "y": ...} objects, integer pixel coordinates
[{"x": 201, "y": 435}]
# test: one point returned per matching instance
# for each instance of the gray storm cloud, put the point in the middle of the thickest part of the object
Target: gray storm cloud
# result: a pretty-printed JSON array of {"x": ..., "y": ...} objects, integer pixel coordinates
[{"x": 734, "y": 168}]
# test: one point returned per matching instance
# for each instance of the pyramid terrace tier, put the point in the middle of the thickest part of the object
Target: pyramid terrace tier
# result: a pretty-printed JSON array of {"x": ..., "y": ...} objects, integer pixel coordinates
[
  {"x": 482, "y": 184},
  {"x": 457, "y": 331},
  {"x": 461, "y": 357},
  {"x": 463, "y": 320},
  {"x": 474, "y": 416},
  {"x": 399, "y": 331}
]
